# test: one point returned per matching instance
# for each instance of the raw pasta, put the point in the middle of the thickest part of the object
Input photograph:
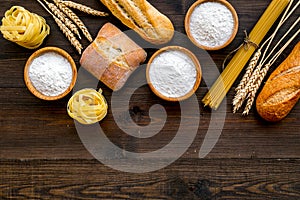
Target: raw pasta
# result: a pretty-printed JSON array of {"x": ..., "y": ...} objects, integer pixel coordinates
[
  {"x": 24, "y": 28},
  {"x": 87, "y": 106}
]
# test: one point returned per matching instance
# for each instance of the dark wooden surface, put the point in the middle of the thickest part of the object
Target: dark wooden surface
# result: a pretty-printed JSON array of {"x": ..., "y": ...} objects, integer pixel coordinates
[{"x": 42, "y": 157}]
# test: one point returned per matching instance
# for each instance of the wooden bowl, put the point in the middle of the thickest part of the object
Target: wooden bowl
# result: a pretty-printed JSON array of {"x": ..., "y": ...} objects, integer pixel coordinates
[
  {"x": 198, "y": 73},
  {"x": 29, "y": 84},
  {"x": 188, "y": 18}
]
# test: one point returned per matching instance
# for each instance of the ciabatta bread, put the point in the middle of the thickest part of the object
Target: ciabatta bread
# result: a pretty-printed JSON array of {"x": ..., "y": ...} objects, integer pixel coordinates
[
  {"x": 143, "y": 18},
  {"x": 282, "y": 90},
  {"x": 112, "y": 57}
]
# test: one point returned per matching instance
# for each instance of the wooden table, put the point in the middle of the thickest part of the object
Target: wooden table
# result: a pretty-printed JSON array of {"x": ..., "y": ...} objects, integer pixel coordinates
[{"x": 42, "y": 157}]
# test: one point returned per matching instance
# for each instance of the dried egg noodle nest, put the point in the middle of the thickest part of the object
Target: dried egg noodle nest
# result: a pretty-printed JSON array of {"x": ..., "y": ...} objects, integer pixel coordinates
[
  {"x": 87, "y": 106},
  {"x": 24, "y": 28}
]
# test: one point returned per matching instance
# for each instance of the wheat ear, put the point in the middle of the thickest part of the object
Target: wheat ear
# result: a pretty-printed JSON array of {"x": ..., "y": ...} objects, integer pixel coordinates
[
  {"x": 68, "y": 33},
  {"x": 239, "y": 99},
  {"x": 253, "y": 78},
  {"x": 254, "y": 88},
  {"x": 249, "y": 70},
  {"x": 74, "y": 18},
  {"x": 241, "y": 92},
  {"x": 60, "y": 15},
  {"x": 84, "y": 8},
  {"x": 245, "y": 91}
]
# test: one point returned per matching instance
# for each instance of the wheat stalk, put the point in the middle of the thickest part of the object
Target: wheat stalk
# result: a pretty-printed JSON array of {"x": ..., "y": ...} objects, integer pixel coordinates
[
  {"x": 253, "y": 78},
  {"x": 249, "y": 70},
  {"x": 241, "y": 89},
  {"x": 74, "y": 18},
  {"x": 254, "y": 88},
  {"x": 248, "y": 106},
  {"x": 263, "y": 72},
  {"x": 84, "y": 8},
  {"x": 60, "y": 15},
  {"x": 67, "y": 32},
  {"x": 238, "y": 100},
  {"x": 244, "y": 94}
]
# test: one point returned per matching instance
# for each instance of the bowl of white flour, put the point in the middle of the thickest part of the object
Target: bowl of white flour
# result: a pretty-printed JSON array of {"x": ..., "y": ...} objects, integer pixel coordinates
[
  {"x": 50, "y": 73},
  {"x": 211, "y": 24},
  {"x": 173, "y": 73}
]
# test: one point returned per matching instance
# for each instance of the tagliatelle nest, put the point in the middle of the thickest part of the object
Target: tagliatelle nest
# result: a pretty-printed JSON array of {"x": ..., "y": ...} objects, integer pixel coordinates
[
  {"x": 24, "y": 28},
  {"x": 87, "y": 106}
]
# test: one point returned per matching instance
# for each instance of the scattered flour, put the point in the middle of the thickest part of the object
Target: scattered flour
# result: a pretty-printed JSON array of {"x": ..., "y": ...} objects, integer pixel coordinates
[
  {"x": 211, "y": 24},
  {"x": 50, "y": 74},
  {"x": 173, "y": 73}
]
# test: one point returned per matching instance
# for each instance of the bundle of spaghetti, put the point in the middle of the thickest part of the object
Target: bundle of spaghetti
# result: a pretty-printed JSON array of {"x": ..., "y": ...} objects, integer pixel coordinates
[
  {"x": 87, "y": 106},
  {"x": 218, "y": 91},
  {"x": 24, "y": 28}
]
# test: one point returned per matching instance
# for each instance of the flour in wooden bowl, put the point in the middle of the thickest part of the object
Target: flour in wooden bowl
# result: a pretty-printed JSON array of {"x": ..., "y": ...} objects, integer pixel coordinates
[
  {"x": 173, "y": 74},
  {"x": 50, "y": 73},
  {"x": 211, "y": 24}
]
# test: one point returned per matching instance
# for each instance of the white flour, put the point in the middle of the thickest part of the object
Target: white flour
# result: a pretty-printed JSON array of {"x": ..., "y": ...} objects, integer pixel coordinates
[
  {"x": 173, "y": 73},
  {"x": 50, "y": 74},
  {"x": 211, "y": 24}
]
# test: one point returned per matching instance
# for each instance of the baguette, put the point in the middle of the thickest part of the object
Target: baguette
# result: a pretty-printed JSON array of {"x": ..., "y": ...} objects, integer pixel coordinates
[
  {"x": 112, "y": 57},
  {"x": 143, "y": 18},
  {"x": 282, "y": 90}
]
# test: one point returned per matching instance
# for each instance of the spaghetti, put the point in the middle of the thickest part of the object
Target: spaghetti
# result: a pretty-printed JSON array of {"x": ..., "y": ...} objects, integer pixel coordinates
[{"x": 24, "y": 28}]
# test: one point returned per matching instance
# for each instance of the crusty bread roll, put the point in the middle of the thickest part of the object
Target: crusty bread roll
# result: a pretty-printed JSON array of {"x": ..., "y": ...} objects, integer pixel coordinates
[
  {"x": 143, "y": 18},
  {"x": 282, "y": 90},
  {"x": 112, "y": 57}
]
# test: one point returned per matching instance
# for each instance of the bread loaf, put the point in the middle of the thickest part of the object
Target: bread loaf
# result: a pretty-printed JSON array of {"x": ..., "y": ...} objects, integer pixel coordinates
[
  {"x": 282, "y": 90},
  {"x": 143, "y": 18},
  {"x": 112, "y": 57}
]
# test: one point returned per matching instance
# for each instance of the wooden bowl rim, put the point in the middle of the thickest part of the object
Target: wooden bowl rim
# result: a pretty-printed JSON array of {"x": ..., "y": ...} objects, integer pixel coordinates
[
  {"x": 235, "y": 27},
  {"x": 29, "y": 84},
  {"x": 197, "y": 66}
]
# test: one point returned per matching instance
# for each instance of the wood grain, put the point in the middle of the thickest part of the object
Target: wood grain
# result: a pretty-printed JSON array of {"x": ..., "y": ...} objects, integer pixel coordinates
[
  {"x": 212, "y": 179},
  {"x": 42, "y": 156}
]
